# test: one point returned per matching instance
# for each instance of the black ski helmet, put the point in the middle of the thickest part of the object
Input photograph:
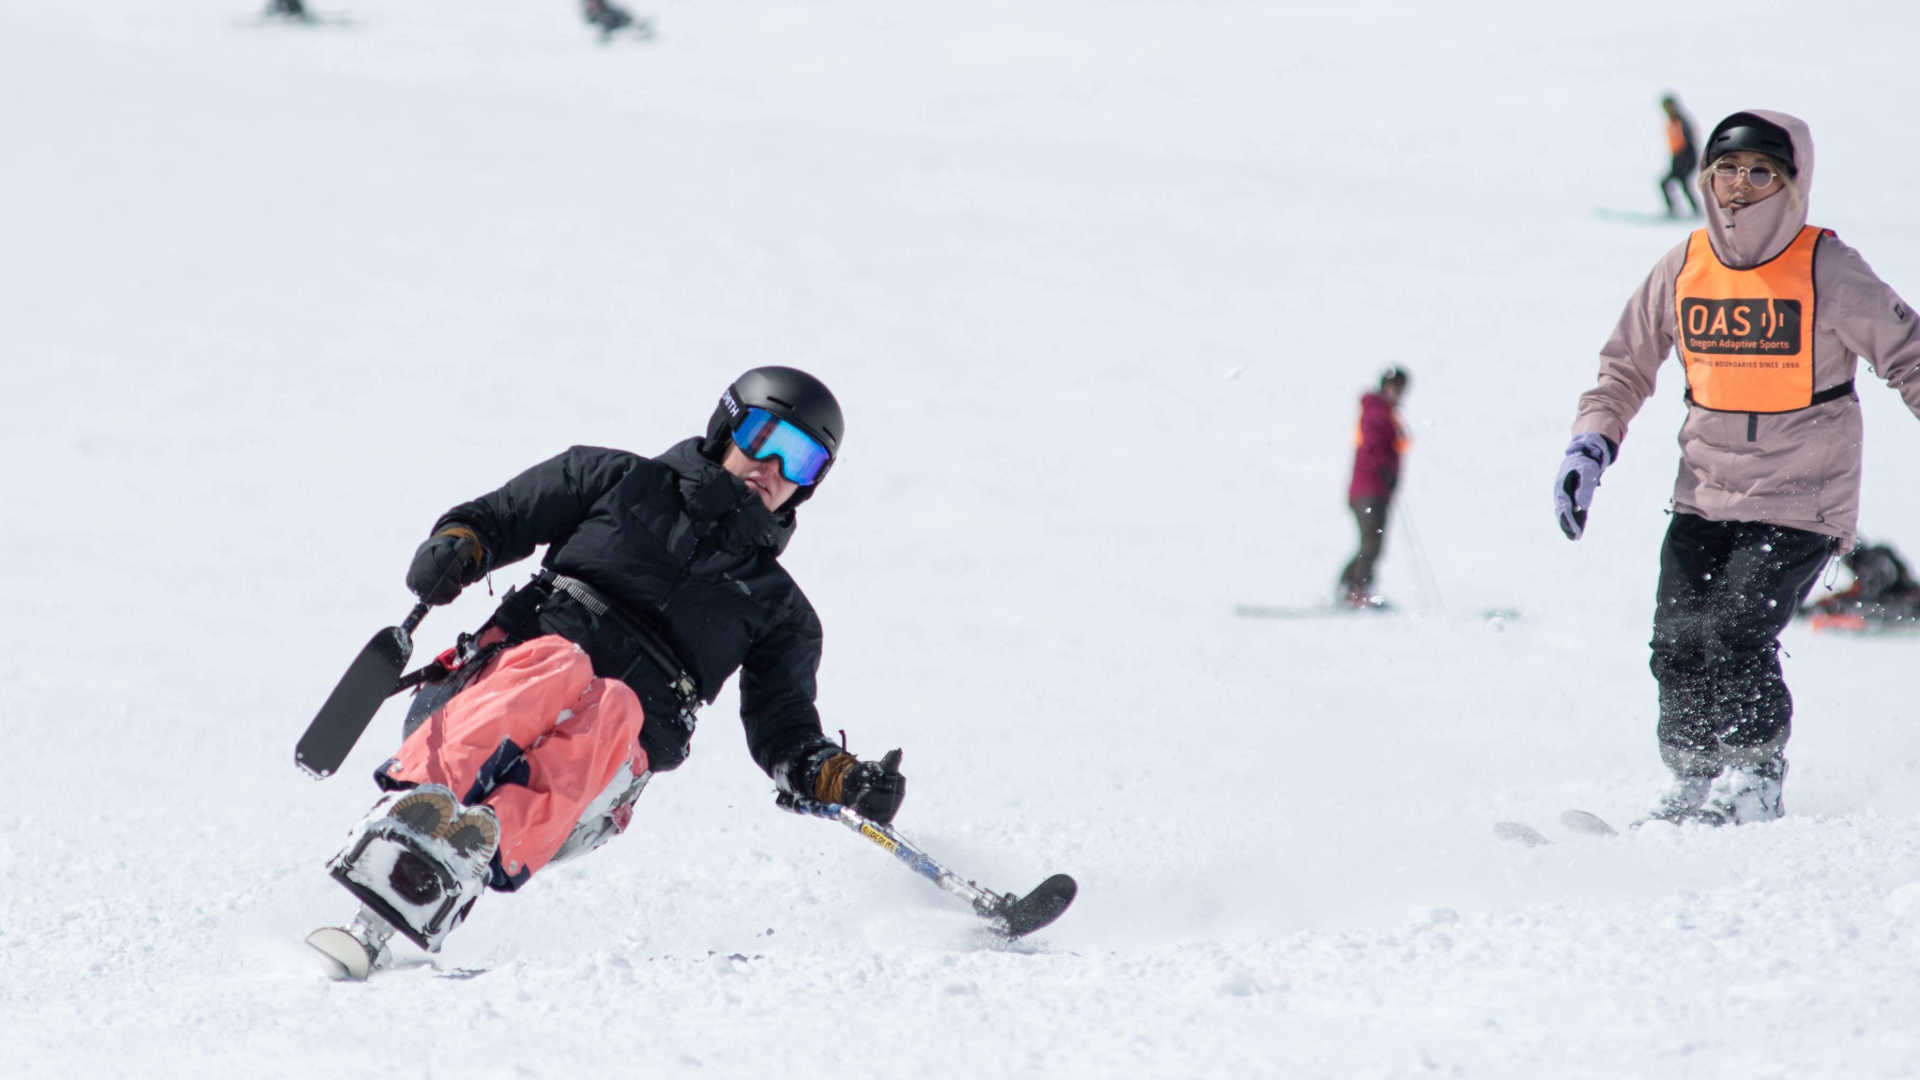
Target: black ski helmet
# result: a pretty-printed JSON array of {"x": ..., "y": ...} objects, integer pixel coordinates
[
  {"x": 1745, "y": 131},
  {"x": 793, "y": 396},
  {"x": 1394, "y": 374}
]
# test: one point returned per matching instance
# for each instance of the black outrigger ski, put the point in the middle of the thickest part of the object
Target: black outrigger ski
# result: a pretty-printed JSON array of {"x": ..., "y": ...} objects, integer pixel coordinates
[
  {"x": 1010, "y": 915},
  {"x": 372, "y": 678}
]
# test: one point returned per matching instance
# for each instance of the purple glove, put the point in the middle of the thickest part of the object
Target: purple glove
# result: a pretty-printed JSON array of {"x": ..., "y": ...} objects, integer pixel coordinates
[{"x": 1587, "y": 456}]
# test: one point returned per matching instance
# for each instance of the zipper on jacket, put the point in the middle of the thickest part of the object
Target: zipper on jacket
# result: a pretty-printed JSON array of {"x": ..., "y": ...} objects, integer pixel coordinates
[
  {"x": 686, "y": 569},
  {"x": 1753, "y": 425}
]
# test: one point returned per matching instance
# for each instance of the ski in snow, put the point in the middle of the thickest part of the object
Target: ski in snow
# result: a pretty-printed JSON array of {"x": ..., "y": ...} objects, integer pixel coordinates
[
  {"x": 1312, "y": 611},
  {"x": 1582, "y": 822},
  {"x": 353, "y": 952},
  {"x": 1576, "y": 820},
  {"x": 1518, "y": 833}
]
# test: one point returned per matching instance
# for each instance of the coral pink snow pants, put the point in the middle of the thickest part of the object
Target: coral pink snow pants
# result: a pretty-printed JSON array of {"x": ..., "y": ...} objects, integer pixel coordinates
[{"x": 537, "y": 737}]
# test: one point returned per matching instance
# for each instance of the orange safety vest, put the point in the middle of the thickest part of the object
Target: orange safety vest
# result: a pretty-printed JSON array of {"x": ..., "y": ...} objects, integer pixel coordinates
[
  {"x": 1746, "y": 336},
  {"x": 1676, "y": 136}
]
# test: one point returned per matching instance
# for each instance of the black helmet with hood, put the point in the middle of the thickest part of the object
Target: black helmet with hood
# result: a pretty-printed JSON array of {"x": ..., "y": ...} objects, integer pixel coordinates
[{"x": 1745, "y": 131}]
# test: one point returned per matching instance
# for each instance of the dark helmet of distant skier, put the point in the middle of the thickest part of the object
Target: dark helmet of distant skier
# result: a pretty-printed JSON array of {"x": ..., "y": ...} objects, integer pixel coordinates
[
  {"x": 1745, "y": 131},
  {"x": 784, "y": 413},
  {"x": 1394, "y": 374}
]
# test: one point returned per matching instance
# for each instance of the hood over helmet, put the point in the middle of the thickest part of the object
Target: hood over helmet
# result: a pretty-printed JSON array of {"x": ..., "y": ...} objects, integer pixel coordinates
[{"x": 1764, "y": 229}]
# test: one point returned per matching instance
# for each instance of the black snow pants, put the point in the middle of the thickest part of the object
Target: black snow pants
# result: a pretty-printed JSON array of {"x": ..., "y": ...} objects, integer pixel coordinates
[
  {"x": 1727, "y": 589},
  {"x": 1680, "y": 173},
  {"x": 1371, "y": 515}
]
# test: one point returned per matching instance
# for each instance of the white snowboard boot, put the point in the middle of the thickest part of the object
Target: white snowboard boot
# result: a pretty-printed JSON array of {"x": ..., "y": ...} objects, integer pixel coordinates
[
  {"x": 1682, "y": 800},
  {"x": 1744, "y": 794}
]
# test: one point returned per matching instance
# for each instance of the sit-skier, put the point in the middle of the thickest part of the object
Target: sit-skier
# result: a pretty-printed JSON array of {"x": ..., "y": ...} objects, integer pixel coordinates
[{"x": 661, "y": 579}]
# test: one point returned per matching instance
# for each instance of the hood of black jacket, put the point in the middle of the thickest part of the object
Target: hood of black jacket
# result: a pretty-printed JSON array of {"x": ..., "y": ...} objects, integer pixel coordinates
[{"x": 724, "y": 504}]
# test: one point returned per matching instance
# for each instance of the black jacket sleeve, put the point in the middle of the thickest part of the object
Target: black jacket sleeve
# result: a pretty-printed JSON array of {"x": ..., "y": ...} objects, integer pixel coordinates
[
  {"x": 776, "y": 698},
  {"x": 542, "y": 505}
]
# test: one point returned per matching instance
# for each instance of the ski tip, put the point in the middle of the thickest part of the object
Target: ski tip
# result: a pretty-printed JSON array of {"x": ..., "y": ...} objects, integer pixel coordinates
[
  {"x": 1039, "y": 908},
  {"x": 1517, "y": 833},
  {"x": 1583, "y": 822},
  {"x": 346, "y": 960}
]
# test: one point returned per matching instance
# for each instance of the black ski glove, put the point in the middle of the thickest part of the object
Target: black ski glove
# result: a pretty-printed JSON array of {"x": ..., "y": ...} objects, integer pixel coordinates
[
  {"x": 447, "y": 562},
  {"x": 874, "y": 789}
]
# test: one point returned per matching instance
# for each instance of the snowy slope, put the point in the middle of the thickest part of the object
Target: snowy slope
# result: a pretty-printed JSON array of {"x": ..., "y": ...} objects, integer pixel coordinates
[{"x": 271, "y": 299}]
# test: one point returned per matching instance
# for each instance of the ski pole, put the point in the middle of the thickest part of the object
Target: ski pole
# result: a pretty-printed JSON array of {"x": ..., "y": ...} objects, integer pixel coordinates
[
  {"x": 1428, "y": 584},
  {"x": 1015, "y": 915}
]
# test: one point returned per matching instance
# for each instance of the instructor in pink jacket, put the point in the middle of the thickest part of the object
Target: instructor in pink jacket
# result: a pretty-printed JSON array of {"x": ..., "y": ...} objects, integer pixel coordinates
[
  {"x": 1377, "y": 445},
  {"x": 1769, "y": 315}
]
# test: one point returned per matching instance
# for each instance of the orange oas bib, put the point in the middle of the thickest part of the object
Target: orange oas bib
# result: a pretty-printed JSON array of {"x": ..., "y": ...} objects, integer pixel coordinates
[
  {"x": 1676, "y": 137},
  {"x": 1746, "y": 336}
]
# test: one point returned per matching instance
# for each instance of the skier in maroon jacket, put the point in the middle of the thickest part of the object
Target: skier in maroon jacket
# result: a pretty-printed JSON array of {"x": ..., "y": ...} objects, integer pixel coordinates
[{"x": 1378, "y": 443}]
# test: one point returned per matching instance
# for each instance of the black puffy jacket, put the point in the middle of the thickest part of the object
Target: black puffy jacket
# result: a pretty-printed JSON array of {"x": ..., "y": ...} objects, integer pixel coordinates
[{"x": 681, "y": 544}]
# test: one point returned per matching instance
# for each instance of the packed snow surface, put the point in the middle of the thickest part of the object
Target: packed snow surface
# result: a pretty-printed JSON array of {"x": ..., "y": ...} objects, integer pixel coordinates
[{"x": 1099, "y": 283}]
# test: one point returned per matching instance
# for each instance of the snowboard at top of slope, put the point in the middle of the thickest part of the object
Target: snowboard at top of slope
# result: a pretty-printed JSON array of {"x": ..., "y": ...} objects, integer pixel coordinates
[
  {"x": 1646, "y": 217},
  {"x": 309, "y": 19},
  {"x": 1381, "y": 609}
]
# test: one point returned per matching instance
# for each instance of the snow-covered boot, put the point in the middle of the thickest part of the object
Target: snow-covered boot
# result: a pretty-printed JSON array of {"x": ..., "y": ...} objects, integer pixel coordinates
[
  {"x": 1356, "y": 598},
  {"x": 1744, "y": 794},
  {"x": 1682, "y": 800},
  {"x": 418, "y": 862}
]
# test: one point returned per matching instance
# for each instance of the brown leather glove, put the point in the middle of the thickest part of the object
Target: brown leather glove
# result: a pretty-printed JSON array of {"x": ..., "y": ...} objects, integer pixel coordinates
[{"x": 874, "y": 789}]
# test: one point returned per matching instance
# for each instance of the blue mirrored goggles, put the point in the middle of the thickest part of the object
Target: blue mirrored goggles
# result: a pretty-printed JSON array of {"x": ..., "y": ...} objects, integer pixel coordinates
[{"x": 763, "y": 435}]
